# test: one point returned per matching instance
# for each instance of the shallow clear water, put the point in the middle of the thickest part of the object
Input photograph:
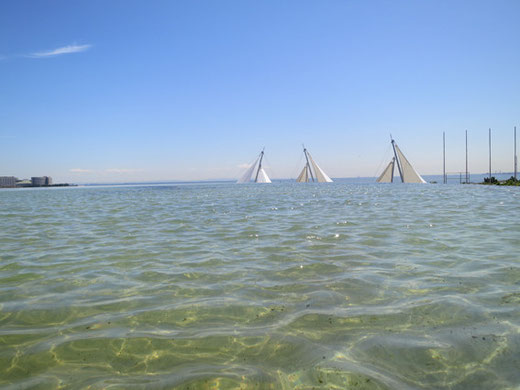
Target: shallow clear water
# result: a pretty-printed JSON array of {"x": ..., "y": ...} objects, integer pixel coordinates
[{"x": 261, "y": 286}]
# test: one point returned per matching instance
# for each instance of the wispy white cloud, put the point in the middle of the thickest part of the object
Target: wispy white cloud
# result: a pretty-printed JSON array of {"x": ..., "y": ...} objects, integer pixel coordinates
[
  {"x": 123, "y": 170},
  {"x": 61, "y": 50},
  {"x": 80, "y": 170},
  {"x": 243, "y": 166}
]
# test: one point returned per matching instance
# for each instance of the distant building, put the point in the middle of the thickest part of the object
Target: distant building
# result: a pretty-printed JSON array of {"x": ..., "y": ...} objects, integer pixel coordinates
[
  {"x": 7, "y": 181},
  {"x": 38, "y": 181},
  {"x": 41, "y": 181}
]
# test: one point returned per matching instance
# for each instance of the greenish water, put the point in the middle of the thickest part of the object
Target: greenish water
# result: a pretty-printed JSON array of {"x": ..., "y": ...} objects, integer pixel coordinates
[{"x": 279, "y": 286}]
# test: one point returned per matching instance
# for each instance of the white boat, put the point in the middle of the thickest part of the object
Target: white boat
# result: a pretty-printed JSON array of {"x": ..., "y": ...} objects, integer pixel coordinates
[
  {"x": 311, "y": 171},
  {"x": 406, "y": 171},
  {"x": 261, "y": 175}
]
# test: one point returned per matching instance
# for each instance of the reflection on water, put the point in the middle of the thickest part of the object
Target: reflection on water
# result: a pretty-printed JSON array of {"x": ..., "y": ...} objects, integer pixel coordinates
[{"x": 242, "y": 286}]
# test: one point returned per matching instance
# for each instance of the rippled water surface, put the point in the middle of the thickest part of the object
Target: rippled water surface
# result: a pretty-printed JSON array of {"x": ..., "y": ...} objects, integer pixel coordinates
[{"x": 279, "y": 286}]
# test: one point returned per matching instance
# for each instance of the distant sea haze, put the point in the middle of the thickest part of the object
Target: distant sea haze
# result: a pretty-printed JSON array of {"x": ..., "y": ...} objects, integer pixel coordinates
[{"x": 452, "y": 179}]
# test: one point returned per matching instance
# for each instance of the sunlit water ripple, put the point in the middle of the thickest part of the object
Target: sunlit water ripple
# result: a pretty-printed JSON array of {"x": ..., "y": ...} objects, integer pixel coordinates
[{"x": 260, "y": 286}]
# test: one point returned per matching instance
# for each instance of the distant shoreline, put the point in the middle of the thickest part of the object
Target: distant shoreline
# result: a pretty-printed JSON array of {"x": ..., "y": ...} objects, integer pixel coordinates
[
  {"x": 432, "y": 179},
  {"x": 44, "y": 186}
]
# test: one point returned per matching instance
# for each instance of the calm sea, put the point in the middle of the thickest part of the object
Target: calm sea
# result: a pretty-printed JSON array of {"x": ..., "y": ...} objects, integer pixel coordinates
[{"x": 280, "y": 286}]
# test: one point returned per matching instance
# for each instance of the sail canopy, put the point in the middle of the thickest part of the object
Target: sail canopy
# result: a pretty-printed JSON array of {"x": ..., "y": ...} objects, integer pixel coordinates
[
  {"x": 312, "y": 174},
  {"x": 408, "y": 173},
  {"x": 388, "y": 174},
  {"x": 321, "y": 176},
  {"x": 246, "y": 177},
  {"x": 261, "y": 175},
  {"x": 304, "y": 175}
]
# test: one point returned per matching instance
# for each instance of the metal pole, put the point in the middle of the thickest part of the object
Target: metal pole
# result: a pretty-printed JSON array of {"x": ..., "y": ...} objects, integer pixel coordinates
[
  {"x": 444, "y": 157},
  {"x": 490, "y": 153},
  {"x": 308, "y": 165},
  {"x": 397, "y": 160},
  {"x": 259, "y": 166},
  {"x": 467, "y": 177},
  {"x": 516, "y": 160},
  {"x": 393, "y": 167}
]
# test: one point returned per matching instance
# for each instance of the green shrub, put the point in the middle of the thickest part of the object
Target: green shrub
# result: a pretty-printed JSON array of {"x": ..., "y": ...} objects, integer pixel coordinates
[{"x": 490, "y": 180}]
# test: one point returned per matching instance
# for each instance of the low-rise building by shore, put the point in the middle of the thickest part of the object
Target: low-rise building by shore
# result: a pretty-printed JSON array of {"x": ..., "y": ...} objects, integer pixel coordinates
[
  {"x": 7, "y": 181},
  {"x": 41, "y": 181}
]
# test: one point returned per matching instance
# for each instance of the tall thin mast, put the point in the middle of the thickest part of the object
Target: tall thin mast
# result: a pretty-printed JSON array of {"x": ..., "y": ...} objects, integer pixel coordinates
[
  {"x": 259, "y": 165},
  {"x": 444, "y": 157},
  {"x": 393, "y": 166},
  {"x": 308, "y": 165},
  {"x": 516, "y": 160},
  {"x": 490, "y": 153},
  {"x": 467, "y": 178},
  {"x": 397, "y": 160}
]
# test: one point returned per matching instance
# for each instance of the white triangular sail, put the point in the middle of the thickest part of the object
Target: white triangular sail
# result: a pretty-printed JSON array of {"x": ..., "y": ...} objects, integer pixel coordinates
[
  {"x": 409, "y": 174},
  {"x": 246, "y": 177},
  {"x": 304, "y": 175},
  {"x": 262, "y": 177},
  {"x": 318, "y": 172},
  {"x": 388, "y": 174},
  {"x": 314, "y": 173}
]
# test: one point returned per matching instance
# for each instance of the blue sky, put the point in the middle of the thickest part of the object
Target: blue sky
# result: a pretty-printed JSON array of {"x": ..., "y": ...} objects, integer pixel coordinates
[{"x": 107, "y": 91}]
